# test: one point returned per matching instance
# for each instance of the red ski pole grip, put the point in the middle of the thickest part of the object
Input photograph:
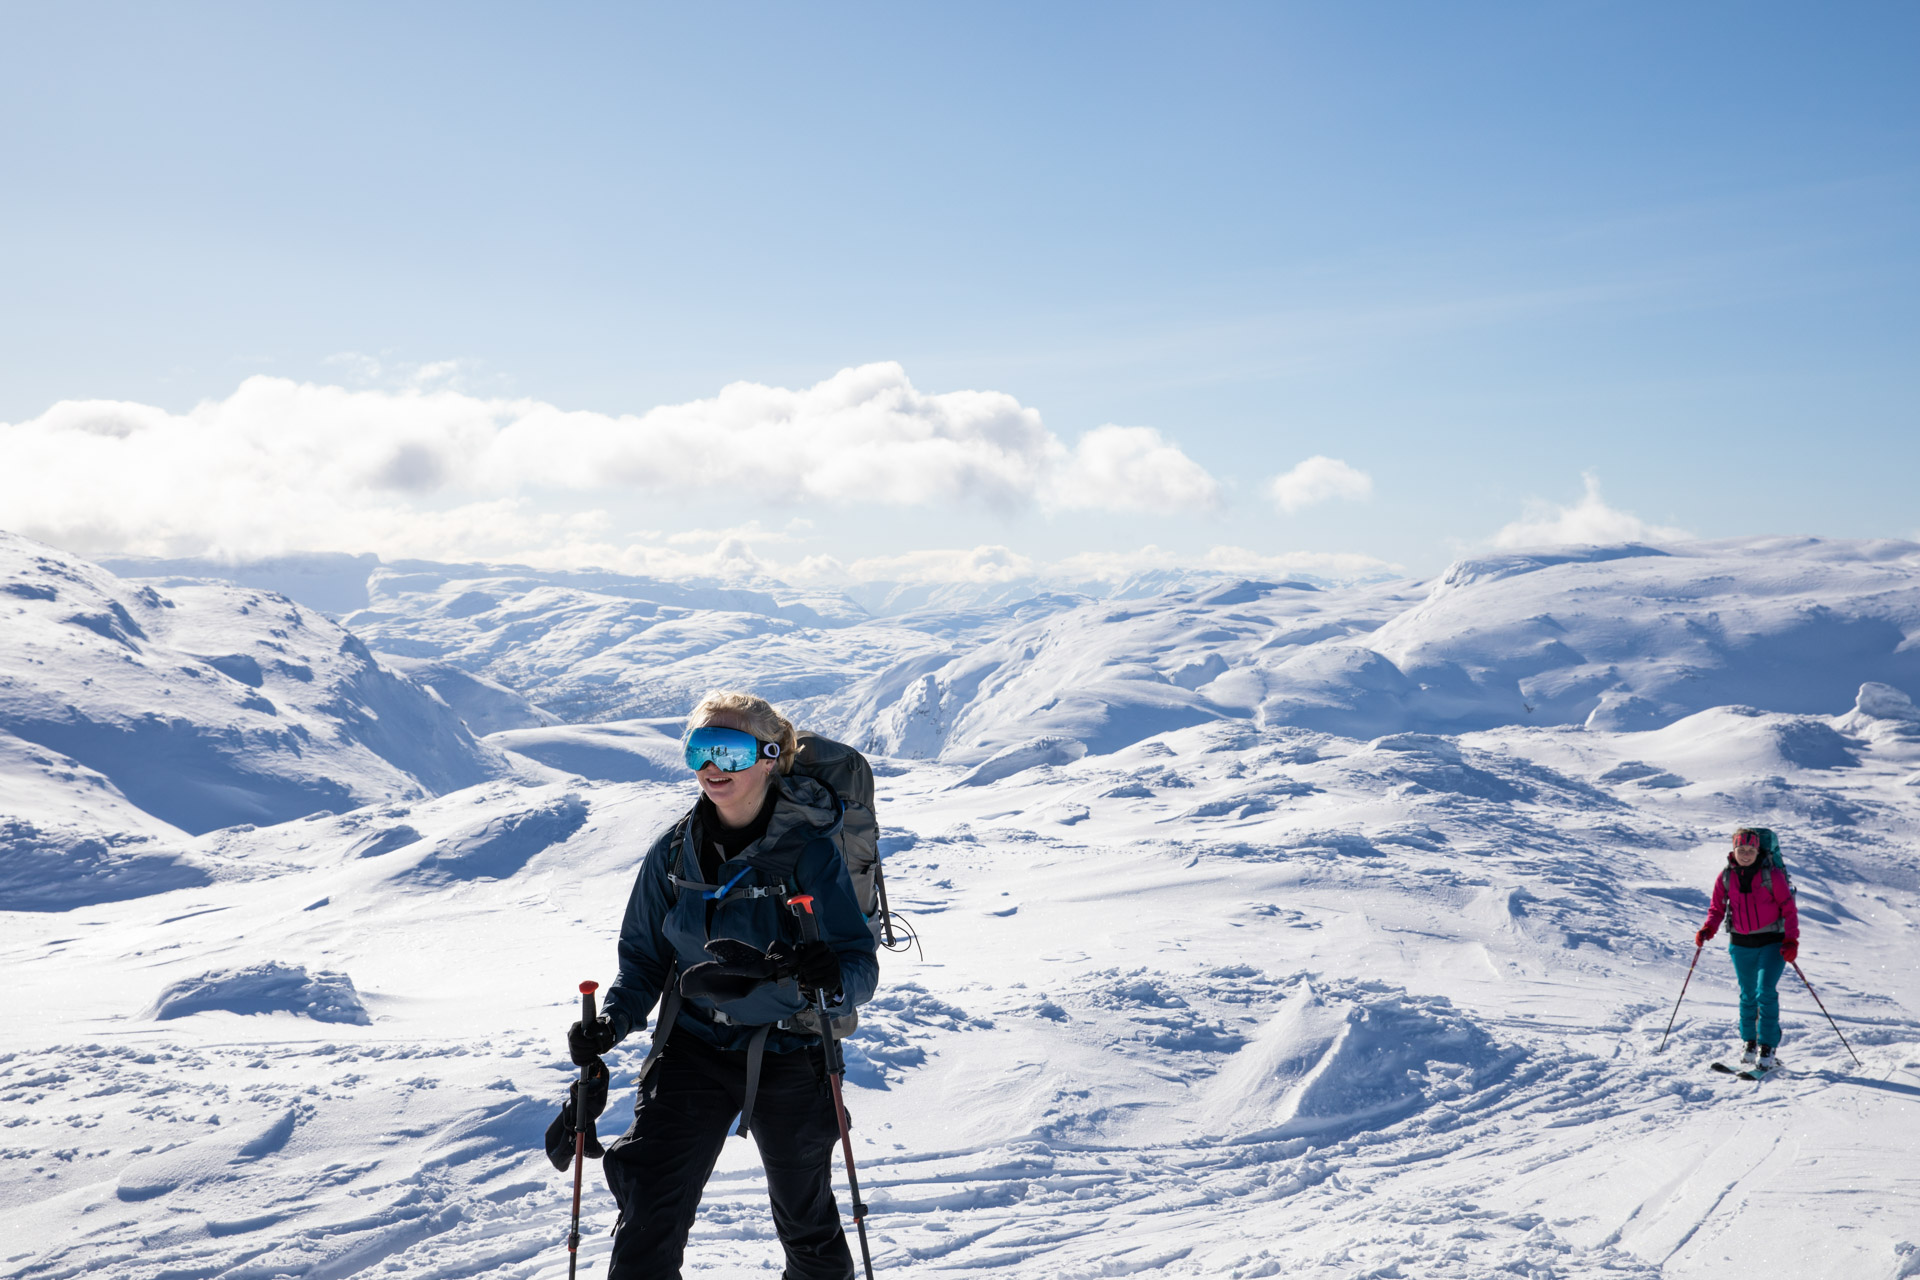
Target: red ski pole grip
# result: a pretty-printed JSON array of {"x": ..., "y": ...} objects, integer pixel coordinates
[
  {"x": 801, "y": 904},
  {"x": 588, "y": 987}
]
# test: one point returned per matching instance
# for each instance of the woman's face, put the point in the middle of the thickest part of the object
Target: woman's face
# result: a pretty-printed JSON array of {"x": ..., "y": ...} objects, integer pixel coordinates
[
  {"x": 1744, "y": 854},
  {"x": 737, "y": 796}
]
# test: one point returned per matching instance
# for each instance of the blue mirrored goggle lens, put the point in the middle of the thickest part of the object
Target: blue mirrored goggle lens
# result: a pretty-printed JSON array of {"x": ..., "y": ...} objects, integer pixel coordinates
[{"x": 729, "y": 750}]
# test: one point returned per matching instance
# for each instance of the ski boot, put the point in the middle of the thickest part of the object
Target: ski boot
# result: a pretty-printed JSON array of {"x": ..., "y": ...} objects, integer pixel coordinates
[{"x": 1751, "y": 1056}]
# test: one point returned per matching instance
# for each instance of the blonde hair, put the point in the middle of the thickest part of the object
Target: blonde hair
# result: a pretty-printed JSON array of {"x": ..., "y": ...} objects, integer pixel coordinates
[{"x": 762, "y": 721}]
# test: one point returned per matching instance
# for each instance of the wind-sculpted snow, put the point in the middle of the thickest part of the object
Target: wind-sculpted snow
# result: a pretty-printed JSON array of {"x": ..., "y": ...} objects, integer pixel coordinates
[
  {"x": 618, "y": 751},
  {"x": 1620, "y": 638},
  {"x": 69, "y": 838},
  {"x": 54, "y": 869},
  {"x": 1624, "y": 639},
  {"x": 1224, "y": 995},
  {"x": 485, "y": 707},
  {"x": 264, "y": 988},
  {"x": 589, "y": 646},
  {"x": 1339, "y": 1058},
  {"x": 502, "y": 844},
  {"x": 211, "y": 705}
]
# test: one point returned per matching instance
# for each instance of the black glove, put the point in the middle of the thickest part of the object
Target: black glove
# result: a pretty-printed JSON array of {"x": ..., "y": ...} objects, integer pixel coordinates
[
  {"x": 816, "y": 967},
  {"x": 560, "y": 1133},
  {"x": 586, "y": 1041},
  {"x": 736, "y": 971}
]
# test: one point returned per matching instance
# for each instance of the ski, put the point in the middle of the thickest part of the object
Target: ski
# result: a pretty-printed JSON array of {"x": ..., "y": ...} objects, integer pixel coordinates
[{"x": 1756, "y": 1074}]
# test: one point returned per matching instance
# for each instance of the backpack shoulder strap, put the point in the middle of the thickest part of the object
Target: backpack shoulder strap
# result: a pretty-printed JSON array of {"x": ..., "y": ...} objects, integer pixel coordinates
[
  {"x": 756, "y": 1051},
  {"x": 676, "y": 850},
  {"x": 663, "y": 1026}
]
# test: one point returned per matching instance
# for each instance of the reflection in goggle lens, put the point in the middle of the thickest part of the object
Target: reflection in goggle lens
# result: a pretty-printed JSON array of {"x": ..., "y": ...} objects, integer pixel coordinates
[{"x": 729, "y": 750}]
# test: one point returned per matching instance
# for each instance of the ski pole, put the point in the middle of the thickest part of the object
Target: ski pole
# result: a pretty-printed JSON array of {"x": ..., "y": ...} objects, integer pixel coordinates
[
  {"x": 1698, "y": 947},
  {"x": 1830, "y": 1021},
  {"x": 802, "y": 907},
  {"x": 580, "y": 1123}
]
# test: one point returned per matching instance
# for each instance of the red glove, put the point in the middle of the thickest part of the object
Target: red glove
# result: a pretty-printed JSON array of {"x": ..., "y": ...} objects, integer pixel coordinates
[
  {"x": 1700, "y": 938},
  {"x": 1790, "y": 950}
]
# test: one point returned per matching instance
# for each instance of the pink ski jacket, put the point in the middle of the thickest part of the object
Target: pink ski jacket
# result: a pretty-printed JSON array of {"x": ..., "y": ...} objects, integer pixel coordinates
[{"x": 1766, "y": 908}]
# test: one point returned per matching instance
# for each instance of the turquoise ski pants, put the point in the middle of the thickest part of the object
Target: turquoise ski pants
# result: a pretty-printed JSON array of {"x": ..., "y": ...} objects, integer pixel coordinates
[{"x": 1759, "y": 970}]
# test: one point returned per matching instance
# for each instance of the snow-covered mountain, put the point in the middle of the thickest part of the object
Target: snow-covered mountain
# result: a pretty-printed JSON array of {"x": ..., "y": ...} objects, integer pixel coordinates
[
  {"x": 129, "y": 717},
  {"x": 1625, "y": 638},
  {"x": 1266, "y": 931},
  {"x": 1616, "y": 638}
]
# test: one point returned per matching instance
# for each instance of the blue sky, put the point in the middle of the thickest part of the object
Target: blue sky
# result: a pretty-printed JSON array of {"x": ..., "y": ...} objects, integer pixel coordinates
[{"x": 1472, "y": 252}]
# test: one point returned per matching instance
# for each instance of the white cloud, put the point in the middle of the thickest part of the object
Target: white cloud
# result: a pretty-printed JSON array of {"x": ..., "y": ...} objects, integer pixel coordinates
[
  {"x": 1319, "y": 479},
  {"x": 1132, "y": 469},
  {"x": 1112, "y": 566},
  {"x": 995, "y": 564},
  {"x": 429, "y": 470},
  {"x": 1588, "y": 522},
  {"x": 977, "y": 564}
]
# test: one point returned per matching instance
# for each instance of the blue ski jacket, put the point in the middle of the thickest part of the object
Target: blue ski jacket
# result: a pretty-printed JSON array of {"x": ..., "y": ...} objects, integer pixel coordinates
[{"x": 671, "y": 917}]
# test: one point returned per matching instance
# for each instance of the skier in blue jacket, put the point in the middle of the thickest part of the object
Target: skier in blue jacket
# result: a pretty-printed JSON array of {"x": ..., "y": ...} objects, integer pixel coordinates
[{"x": 758, "y": 836}]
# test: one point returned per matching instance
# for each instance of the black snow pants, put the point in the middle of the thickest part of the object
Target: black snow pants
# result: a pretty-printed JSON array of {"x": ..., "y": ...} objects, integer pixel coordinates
[{"x": 659, "y": 1167}]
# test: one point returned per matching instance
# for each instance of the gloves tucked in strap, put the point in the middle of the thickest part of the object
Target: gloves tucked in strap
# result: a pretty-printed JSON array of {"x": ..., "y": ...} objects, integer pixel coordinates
[{"x": 560, "y": 1134}]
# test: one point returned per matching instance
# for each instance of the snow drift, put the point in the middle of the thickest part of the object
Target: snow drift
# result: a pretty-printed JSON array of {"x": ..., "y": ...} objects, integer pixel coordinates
[{"x": 264, "y": 988}]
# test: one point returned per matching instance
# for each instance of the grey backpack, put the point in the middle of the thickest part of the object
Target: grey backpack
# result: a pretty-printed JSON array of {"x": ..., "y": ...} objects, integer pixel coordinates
[{"x": 846, "y": 773}]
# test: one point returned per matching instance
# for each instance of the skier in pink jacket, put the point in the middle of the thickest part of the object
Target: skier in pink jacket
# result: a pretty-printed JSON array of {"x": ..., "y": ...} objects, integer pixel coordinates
[{"x": 1753, "y": 894}]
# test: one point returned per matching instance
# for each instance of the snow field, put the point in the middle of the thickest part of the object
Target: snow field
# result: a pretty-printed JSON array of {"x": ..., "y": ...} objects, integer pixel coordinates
[
  {"x": 1269, "y": 929},
  {"x": 1288, "y": 1004}
]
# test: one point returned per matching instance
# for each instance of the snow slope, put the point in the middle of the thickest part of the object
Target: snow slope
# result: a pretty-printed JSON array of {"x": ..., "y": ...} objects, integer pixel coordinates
[
  {"x": 583, "y": 646},
  {"x": 1217, "y": 995},
  {"x": 128, "y": 716},
  {"x": 1617, "y": 638},
  {"x": 1620, "y": 638}
]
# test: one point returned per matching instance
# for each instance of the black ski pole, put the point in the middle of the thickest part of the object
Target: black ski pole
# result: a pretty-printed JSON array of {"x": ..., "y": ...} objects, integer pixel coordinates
[
  {"x": 802, "y": 907},
  {"x": 580, "y": 1123},
  {"x": 1698, "y": 947},
  {"x": 1830, "y": 1021}
]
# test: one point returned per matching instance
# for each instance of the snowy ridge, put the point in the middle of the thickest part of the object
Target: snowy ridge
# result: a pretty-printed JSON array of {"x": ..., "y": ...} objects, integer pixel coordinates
[
  {"x": 1206, "y": 992},
  {"x": 131, "y": 718},
  {"x": 1621, "y": 638}
]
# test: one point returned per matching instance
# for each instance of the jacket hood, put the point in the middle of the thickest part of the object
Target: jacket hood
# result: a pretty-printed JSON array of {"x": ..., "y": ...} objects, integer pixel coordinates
[{"x": 804, "y": 803}]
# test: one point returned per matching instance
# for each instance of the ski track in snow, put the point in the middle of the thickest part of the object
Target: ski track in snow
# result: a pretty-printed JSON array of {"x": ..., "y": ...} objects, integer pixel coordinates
[
  {"x": 1028, "y": 1099},
  {"x": 1228, "y": 999}
]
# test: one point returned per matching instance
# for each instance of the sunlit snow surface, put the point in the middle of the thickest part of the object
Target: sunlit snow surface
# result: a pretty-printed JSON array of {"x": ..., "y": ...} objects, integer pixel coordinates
[{"x": 1205, "y": 991}]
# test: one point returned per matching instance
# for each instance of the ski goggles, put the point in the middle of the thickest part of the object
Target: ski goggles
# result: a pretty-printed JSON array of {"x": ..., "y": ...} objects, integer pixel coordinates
[{"x": 728, "y": 750}]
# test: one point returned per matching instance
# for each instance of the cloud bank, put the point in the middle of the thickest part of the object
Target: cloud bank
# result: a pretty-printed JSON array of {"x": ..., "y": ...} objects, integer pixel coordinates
[
  {"x": 993, "y": 564},
  {"x": 282, "y": 465},
  {"x": 1319, "y": 479},
  {"x": 1588, "y": 522}
]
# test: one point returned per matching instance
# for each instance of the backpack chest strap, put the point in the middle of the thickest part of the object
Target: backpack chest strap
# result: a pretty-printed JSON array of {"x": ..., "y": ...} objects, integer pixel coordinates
[{"x": 715, "y": 892}]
